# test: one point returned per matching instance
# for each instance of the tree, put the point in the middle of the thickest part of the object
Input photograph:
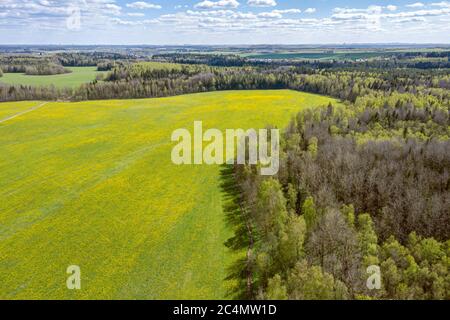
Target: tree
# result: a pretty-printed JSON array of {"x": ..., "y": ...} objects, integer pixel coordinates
[
  {"x": 391, "y": 277},
  {"x": 270, "y": 216},
  {"x": 313, "y": 146},
  {"x": 276, "y": 290},
  {"x": 271, "y": 211},
  {"x": 333, "y": 245},
  {"x": 311, "y": 283},
  {"x": 349, "y": 214},
  {"x": 291, "y": 248},
  {"x": 368, "y": 240},
  {"x": 309, "y": 213},
  {"x": 292, "y": 198}
]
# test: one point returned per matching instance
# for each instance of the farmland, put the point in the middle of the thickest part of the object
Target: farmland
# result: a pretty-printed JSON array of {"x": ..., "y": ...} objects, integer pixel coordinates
[
  {"x": 320, "y": 55},
  {"x": 78, "y": 76},
  {"x": 92, "y": 184}
]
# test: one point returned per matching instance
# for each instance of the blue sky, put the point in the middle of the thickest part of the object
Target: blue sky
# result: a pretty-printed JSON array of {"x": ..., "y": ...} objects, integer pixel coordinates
[{"x": 223, "y": 21}]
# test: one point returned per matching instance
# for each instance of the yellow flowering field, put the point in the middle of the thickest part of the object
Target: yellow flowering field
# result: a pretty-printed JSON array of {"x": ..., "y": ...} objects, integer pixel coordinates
[{"x": 92, "y": 184}]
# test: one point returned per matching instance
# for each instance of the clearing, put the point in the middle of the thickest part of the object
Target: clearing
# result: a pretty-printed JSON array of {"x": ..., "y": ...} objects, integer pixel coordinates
[{"x": 77, "y": 77}]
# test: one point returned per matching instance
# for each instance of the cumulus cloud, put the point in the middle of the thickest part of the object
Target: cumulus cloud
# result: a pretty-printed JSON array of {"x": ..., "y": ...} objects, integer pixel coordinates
[
  {"x": 52, "y": 14},
  {"x": 135, "y": 14},
  {"x": 415, "y": 5},
  {"x": 113, "y": 8},
  {"x": 442, "y": 4},
  {"x": 391, "y": 7},
  {"x": 142, "y": 5},
  {"x": 217, "y": 4},
  {"x": 133, "y": 23},
  {"x": 288, "y": 11},
  {"x": 262, "y": 3},
  {"x": 278, "y": 13},
  {"x": 271, "y": 14},
  {"x": 221, "y": 17},
  {"x": 349, "y": 11}
]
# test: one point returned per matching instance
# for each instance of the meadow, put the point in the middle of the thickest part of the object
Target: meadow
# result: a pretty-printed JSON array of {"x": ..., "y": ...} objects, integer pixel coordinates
[
  {"x": 339, "y": 55},
  {"x": 92, "y": 184},
  {"x": 78, "y": 76}
]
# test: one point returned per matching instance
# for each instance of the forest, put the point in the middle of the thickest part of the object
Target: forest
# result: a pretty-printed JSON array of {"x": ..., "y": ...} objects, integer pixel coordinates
[
  {"x": 352, "y": 192},
  {"x": 130, "y": 77},
  {"x": 362, "y": 186}
]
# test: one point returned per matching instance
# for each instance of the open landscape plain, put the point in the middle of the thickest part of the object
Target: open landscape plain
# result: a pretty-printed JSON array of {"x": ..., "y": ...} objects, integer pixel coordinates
[
  {"x": 97, "y": 188},
  {"x": 247, "y": 150}
]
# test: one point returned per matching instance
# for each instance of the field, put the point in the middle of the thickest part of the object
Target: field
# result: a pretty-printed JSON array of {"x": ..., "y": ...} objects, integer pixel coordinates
[
  {"x": 92, "y": 184},
  {"x": 355, "y": 55},
  {"x": 78, "y": 76}
]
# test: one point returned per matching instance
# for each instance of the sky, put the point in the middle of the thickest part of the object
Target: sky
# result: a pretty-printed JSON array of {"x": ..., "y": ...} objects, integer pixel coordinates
[{"x": 176, "y": 22}]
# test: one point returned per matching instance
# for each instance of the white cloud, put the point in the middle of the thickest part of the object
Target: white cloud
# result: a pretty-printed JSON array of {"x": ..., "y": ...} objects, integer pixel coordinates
[
  {"x": 113, "y": 8},
  {"x": 310, "y": 10},
  {"x": 278, "y": 13},
  {"x": 271, "y": 14},
  {"x": 419, "y": 13},
  {"x": 220, "y": 22},
  {"x": 288, "y": 11},
  {"x": 262, "y": 3},
  {"x": 52, "y": 14},
  {"x": 411, "y": 19},
  {"x": 133, "y": 23},
  {"x": 143, "y": 5},
  {"x": 391, "y": 7},
  {"x": 415, "y": 5},
  {"x": 442, "y": 4},
  {"x": 217, "y": 4}
]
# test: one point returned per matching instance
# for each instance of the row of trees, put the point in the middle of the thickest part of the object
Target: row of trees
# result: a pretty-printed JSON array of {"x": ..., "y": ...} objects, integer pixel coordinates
[
  {"x": 31, "y": 65},
  {"x": 381, "y": 61},
  {"x": 89, "y": 59},
  {"x": 144, "y": 80},
  {"x": 46, "y": 70},
  {"x": 52, "y": 64}
]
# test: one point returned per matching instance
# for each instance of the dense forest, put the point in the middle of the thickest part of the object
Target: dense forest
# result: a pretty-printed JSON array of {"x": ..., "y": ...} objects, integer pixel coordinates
[
  {"x": 128, "y": 79},
  {"x": 352, "y": 192},
  {"x": 418, "y": 60},
  {"x": 362, "y": 187}
]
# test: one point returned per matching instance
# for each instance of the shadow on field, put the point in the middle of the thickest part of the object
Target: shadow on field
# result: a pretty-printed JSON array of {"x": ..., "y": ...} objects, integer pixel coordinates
[{"x": 239, "y": 273}]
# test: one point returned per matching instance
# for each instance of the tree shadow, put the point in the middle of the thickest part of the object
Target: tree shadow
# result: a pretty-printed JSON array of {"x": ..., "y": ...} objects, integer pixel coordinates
[{"x": 238, "y": 272}]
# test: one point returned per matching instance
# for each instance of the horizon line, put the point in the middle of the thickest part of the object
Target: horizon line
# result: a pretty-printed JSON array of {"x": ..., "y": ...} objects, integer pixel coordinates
[{"x": 236, "y": 44}]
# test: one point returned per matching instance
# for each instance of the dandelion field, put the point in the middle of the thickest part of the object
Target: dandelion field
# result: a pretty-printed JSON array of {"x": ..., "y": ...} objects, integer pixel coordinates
[{"x": 92, "y": 184}]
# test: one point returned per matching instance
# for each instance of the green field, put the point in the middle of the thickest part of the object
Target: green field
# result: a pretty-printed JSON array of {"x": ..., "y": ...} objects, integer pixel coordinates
[
  {"x": 319, "y": 55},
  {"x": 78, "y": 76},
  {"x": 92, "y": 184}
]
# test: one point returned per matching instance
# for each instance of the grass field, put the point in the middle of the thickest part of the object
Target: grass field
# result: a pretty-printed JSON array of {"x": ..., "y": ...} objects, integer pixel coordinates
[
  {"x": 319, "y": 55},
  {"x": 92, "y": 184},
  {"x": 78, "y": 76}
]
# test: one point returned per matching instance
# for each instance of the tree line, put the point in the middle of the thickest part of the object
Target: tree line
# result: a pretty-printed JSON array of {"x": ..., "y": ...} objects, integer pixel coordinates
[{"x": 145, "y": 80}]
